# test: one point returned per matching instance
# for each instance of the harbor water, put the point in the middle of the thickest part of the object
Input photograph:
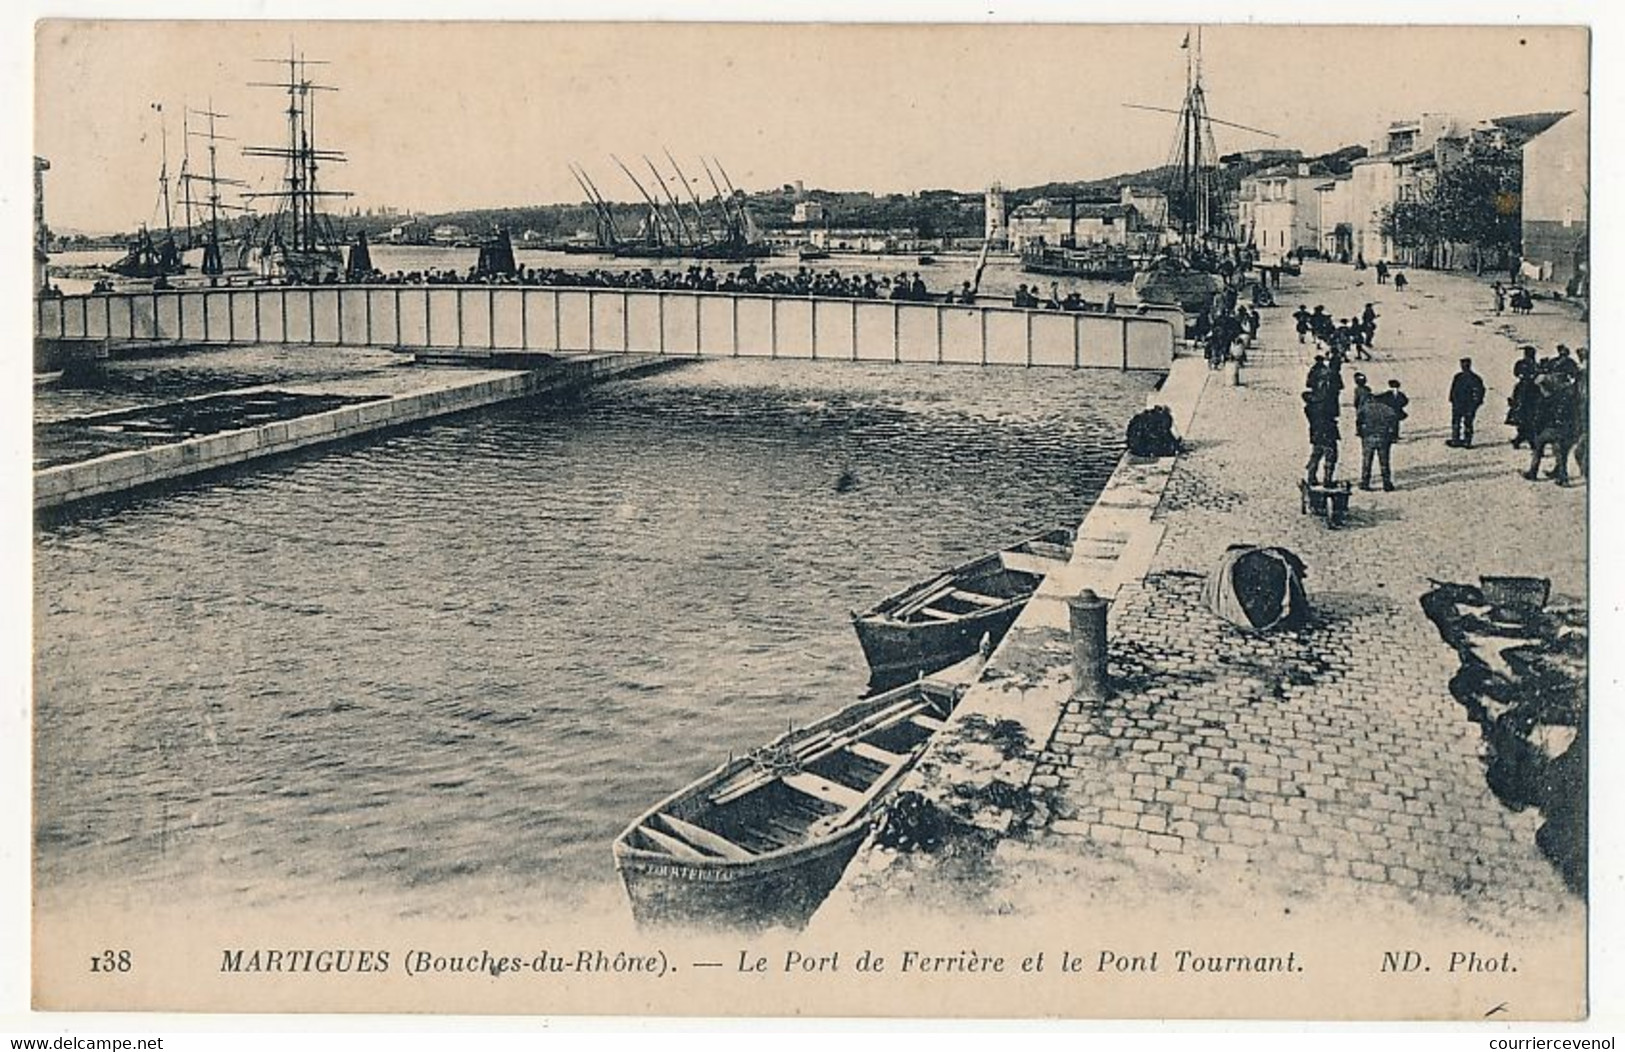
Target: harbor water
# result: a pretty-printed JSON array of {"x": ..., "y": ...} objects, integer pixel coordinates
[{"x": 437, "y": 672}]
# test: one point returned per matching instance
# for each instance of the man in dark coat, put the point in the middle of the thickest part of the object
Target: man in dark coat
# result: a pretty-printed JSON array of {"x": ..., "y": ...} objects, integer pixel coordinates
[
  {"x": 1321, "y": 413},
  {"x": 1523, "y": 408},
  {"x": 1466, "y": 395},
  {"x": 1397, "y": 399},
  {"x": 1554, "y": 426},
  {"x": 1377, "y": 423}
]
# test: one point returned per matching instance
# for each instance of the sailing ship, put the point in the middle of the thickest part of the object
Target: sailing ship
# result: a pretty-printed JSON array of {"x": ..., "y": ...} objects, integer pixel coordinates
[
  {"x": 150, "y": 257},
  {"x": 1188, "y": 272},
  {"x": 297, "y": 243},
  {"x": 213, "y": 262},
  {"x": 673, "y": 229}
]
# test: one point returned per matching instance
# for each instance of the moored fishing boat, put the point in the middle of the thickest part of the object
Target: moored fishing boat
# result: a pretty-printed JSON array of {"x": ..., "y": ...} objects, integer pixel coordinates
[
  {"x": 1204, "y": 257},
  {"x": 1170, "y": 281},
  {"x": 932, "y": 625},
  {"x": 761, "y": 840}
]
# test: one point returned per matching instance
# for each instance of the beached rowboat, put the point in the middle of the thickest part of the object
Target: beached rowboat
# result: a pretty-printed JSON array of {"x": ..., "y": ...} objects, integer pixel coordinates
[
  {"x": 932, "y": 625},
  {"x": 762, "y": 839}
]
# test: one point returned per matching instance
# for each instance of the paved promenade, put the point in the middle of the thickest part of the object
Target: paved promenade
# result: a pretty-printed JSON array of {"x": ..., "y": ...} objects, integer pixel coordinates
[
  {"x": 1330, "y": 765},
  {"x": 1337, "y": 753}
]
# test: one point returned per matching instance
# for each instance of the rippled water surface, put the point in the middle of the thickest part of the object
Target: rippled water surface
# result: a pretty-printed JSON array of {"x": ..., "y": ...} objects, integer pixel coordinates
[{"x": 445, "y": 667}]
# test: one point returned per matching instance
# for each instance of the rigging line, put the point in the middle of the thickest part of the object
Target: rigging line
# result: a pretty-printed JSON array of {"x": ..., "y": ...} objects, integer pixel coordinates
[{"x": 1205, "y": 118}]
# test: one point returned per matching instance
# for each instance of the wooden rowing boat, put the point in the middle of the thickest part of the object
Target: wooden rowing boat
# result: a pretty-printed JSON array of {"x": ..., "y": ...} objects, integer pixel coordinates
[
  {"x": 932, "y": 625},
  {"x": 761, "y": 840}
]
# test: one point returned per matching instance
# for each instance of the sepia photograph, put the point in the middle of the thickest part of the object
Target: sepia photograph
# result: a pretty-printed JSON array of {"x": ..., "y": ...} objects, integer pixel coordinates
[{"x": 678, "y": 518}]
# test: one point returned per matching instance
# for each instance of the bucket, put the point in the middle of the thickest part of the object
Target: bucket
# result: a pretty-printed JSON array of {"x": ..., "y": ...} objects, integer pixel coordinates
[{"x": 1516, "y": 592}]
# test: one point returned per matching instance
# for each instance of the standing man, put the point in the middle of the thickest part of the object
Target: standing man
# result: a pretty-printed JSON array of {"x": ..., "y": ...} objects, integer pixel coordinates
[
  {"x": 1301, "y": 316},
  {"x": 1362, "y": 391},
  {"x": 1555, "y": 426},
  {"x": 1500, "y": 297},
  {"x": 1378, "y": 423},
  {"x": 1396, "y": 400},
  {"x": 1321, "y": 412},
  {"x": 1466, "y": 395}
]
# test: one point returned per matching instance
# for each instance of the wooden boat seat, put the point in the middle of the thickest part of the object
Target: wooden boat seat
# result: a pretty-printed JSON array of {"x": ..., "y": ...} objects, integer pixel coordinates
[
  {"x": 672, "y": 846},
  {"x": 750, "y": 780},
  {"x": 874, "y": 753},
  {"x": 823, "y": 789},
  {"x": 935, "y": 614},
  {"x": 930, "y": 723},
  {"x": 977, "y": 597},
  {"x": 704, "y": 839}
]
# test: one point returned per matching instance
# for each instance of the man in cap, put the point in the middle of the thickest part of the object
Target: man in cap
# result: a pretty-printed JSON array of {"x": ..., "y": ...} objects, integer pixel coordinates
[
  {"x": 1554, "y": 426},
  {"x": 1377, "y": 422},
  {"x": 1362, "y": 391},
  {"x": 1466, "y": 395}
]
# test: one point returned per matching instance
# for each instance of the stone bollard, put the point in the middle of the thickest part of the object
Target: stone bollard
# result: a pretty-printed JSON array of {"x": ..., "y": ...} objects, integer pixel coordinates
[{"x": 1088, "y": 617}]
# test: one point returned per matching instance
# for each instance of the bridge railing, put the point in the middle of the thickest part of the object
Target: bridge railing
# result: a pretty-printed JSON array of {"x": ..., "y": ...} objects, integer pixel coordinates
[{"x": 548, "y": 319}]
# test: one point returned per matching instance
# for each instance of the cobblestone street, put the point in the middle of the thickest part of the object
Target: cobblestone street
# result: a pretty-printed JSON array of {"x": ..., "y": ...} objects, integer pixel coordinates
[{"x": 1332, "y": 758}]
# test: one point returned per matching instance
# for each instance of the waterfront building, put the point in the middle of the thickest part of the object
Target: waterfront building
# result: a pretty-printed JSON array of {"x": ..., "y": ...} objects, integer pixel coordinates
[
  {"x": 410, "y": 232},
  {"x": 1278, "y": 211},
  {"x": 1150, "y": 203},
  {"x": 1334, "y": 207},
  {"x": 1556, "y": 202},
  {"x": 1087, "y": 222},
  {"x": 861, "y": 239},
  {"x": 448, "y": 234}
]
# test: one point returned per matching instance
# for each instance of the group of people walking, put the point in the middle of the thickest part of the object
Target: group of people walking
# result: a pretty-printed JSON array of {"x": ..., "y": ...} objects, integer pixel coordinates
[
  {"x": 1347, "y": 337},
  {"x": 1547, "y": 410},
  {"x": 1377, "y": 419}
]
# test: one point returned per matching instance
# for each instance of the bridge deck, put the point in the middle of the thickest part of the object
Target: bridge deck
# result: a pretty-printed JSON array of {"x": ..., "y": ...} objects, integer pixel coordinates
[{"x": 494, "y": 318}]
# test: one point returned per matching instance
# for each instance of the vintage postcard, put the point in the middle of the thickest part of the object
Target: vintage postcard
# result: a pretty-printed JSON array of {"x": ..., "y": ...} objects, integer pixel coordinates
[{"x": 1012, "y": 520}]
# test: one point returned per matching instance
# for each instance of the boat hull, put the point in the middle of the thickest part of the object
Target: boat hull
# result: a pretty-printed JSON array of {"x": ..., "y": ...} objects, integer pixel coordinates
[
  {"x": 761, "y": 840},
  {"x": 899, "y": 653},
  {"x": 929, "y": 626},
  {"x": 1190, "y": 290},
  {"x": 781, "y": 892},
  {"x": 1089, "y": 266}
]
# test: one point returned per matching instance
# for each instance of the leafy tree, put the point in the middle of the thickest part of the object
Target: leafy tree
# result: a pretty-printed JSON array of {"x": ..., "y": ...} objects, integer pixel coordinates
[
  {"x": 1479, "y": 203},
  {"x": 1413, "y": 226}
]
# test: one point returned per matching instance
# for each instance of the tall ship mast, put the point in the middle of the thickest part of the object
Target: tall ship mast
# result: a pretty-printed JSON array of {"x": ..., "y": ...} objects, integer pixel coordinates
[
  {"x": 213, "y": 261},
  {"x": 297, "y": 242},
  {"x": 1189, "y": 271},
  {"x": 148, "y": 257}
]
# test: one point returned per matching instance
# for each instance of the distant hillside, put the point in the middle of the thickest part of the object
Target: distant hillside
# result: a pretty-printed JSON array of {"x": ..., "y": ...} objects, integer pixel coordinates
[
  {"x": 1236, "y": 168},
  {"x": 930, "y": 213}
]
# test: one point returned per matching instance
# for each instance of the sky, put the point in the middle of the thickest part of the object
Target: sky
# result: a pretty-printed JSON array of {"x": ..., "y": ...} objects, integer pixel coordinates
[{"x": 441, "y": 116}]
